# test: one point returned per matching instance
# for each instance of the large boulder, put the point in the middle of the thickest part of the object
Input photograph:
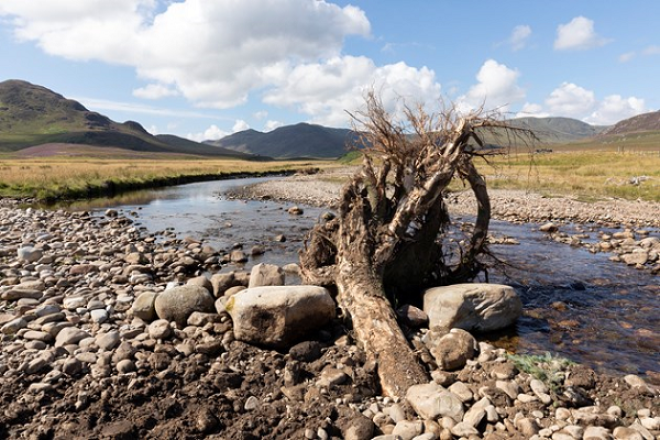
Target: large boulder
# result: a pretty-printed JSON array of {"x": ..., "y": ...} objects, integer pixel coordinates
[
  {"x": 178, "y": 303},
  {"x": 472, "y": 307},
  {"x": 277, "y": 316}
]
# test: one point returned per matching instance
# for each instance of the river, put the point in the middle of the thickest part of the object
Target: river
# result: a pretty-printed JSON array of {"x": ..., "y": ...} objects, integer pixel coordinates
[{"x": 577, "y": 304}]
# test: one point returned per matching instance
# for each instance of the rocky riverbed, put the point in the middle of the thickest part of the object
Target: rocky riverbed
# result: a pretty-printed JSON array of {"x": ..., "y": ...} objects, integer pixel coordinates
[{"x": 81, "y": 358}]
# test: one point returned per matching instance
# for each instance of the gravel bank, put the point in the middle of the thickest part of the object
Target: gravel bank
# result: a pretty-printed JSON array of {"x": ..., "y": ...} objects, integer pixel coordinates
[{"x": 323, "y": 190}]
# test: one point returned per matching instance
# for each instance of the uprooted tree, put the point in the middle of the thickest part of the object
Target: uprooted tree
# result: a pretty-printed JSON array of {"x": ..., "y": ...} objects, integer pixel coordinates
[{"x": 386, "y": 244}]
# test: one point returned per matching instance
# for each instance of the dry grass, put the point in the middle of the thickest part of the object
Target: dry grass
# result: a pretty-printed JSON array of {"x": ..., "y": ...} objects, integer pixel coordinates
[
  {"x": 77, "y": 177},
  {"x": 583, "y": 174}
]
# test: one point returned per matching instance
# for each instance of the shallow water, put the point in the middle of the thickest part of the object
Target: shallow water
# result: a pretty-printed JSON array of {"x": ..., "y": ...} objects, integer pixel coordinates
[{"x": 577, "y": 304}]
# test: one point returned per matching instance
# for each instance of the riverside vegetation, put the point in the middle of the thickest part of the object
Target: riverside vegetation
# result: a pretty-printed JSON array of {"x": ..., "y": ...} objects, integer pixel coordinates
[
  {"x": 584, "y": 174},
  {"x": 587, "y": 173},
  {"x": 84, "y": 177}
]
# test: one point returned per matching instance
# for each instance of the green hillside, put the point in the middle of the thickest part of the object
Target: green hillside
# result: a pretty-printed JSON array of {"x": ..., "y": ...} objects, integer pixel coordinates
[
  {"x": 557, "y": 130},
  {"x": 32, "y": 115}
]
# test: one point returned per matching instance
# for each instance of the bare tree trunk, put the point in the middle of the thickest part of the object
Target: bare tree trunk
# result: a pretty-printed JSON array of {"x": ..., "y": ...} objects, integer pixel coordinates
[
  {"x": 361, "y": 294},
  {"x": 386, "y": 238}
]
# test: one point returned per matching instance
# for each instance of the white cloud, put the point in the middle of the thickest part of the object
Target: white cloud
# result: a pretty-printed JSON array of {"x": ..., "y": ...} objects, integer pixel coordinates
[
  {"x": 578, "y": 34},
  {"x": 625, "y": 57},
  {"x": 212, "y": 133},
  {"x": 261, "y": 114},
  {"x": 615, "y": 108},
  {"x": 571, "y": 101},
  {"x": 272, "y": 125},
  {"x": 214, "y": 53},
  {"x": 519, "y": 37},
  {"x": 652, "y": 50},
  {"x": 217, "y": 54},
  {"x": 240, "y": 125},
  {"x": 152, "y": 129},
  {"x": 95, "y": 104},
  {"x": 325, "y": 91},
  {"x": 648, "y": 51},
  {"x": 154, "y": 91},
  {"x": 497, "y": 88},
  {"x": 532, "y": 110}
]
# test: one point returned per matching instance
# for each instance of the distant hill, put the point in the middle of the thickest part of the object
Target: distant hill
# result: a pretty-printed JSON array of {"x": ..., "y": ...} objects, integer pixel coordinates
[
  {"x": 33, "y": 115},
  {"x": 307, "y": 140},
  {"x": 291, "y": 141},
  {"x": 556, "y": 130},
  {"x": 640, "y": 123},
  {"x": 191, "y": 147}
]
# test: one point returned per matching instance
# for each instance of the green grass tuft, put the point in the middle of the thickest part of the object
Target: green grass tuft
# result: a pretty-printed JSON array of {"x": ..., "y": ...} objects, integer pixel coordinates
[{"x": 547, "y": 368}]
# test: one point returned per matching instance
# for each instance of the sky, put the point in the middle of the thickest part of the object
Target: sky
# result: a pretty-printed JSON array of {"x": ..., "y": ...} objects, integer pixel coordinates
[{"x": 204, "y": 69}]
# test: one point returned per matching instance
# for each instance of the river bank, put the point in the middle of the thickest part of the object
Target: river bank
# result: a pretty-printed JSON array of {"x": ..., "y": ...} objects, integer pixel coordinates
[
  {"x": 77, "y": 363},
  {"x": 512, "y": 205}
]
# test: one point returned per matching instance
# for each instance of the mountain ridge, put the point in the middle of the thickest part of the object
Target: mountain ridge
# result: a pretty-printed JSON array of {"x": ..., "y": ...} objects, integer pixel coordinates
[
  {"x": 297, "y": 140},
  {"x": 557, "y": 129},
  {"x": 32, "y": 115}
]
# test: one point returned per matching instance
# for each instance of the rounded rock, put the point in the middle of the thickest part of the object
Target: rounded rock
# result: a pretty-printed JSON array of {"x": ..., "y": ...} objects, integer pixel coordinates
[
  {"x": 160, "y": 329},
  {"x": 126, "y": 366},
  {"x": 178, "y": 303},
  {"x": 144, "y": 306}
]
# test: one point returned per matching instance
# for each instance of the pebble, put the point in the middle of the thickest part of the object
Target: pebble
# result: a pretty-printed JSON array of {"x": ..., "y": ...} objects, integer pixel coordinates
[
  {"x": 126, "y": 366},
  {"x": 597, "y": 433},
  {"x": 99, "y": 315},
  {"x": 13, "y": 326},
  {"x": 108, "y": 341},
  {"x": 70, "y": 335},
  {"x": 252, "y": 403},
  {"x": 35, "y": 335},
  {"x": 407, "y": 430},
  {"x": 160, "y": 329},
  {"x": 73, "y": 303}
]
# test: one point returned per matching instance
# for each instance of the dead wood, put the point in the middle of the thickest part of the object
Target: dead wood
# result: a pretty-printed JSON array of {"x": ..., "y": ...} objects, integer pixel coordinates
[{"x": 386, "y": 244}]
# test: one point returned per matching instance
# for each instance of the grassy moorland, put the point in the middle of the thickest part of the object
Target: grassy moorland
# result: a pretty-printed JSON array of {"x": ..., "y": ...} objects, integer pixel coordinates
[
  {"x": 623, "y": 166},
  {"x": 585, "y": 174},
  {"x": 79, "y": 177},
  {"x": 588, "y": 170}
]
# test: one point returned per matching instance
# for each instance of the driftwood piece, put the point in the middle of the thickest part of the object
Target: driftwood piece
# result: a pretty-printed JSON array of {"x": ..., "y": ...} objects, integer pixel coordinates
[{"x": 385, "y": 244}]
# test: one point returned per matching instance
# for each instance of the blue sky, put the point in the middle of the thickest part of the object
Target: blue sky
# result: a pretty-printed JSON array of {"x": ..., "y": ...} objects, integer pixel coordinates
[{"x": 206, "y": 68}]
